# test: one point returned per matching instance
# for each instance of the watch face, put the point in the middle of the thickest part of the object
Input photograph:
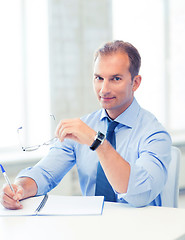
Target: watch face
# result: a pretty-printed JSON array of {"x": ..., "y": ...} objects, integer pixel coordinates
[{"x": 101, "y": 135}]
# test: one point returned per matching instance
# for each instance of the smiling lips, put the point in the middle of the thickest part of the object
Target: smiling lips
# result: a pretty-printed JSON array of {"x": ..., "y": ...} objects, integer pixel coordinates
[{"x": 106, "y": 99}]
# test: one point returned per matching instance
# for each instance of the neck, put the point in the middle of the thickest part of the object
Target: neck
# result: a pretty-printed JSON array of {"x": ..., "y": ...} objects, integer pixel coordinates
[{"x": 114, "y": 113}]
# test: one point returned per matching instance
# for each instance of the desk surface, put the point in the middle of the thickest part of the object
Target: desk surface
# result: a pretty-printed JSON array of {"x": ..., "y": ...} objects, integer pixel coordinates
[{"x": 117, "y": 221}]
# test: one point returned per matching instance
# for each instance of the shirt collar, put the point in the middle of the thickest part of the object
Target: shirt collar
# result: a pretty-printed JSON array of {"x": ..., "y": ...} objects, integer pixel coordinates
[{"x": 128, "y": 117}]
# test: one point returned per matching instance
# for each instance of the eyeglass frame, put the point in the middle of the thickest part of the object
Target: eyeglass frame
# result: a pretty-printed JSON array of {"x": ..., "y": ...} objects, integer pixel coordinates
[{"x": 36, "y": 147}]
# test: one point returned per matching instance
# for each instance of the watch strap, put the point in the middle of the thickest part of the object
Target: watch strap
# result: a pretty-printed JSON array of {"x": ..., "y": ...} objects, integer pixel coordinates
[{"x": 99, "y": 139}]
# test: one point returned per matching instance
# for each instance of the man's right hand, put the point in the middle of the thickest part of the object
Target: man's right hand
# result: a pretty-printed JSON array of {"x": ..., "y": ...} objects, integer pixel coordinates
[{"x": 9, "y": 199}]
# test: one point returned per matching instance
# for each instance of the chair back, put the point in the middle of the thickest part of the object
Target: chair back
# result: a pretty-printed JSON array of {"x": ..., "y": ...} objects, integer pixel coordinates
[{"x": 170, "y": 193}]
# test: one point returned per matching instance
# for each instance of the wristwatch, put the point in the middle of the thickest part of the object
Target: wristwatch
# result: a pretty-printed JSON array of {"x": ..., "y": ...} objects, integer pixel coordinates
[{"x": 99, "y": 139}]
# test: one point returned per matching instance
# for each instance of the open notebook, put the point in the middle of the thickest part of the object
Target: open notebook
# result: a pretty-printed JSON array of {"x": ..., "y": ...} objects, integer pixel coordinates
[{"x": 57, "y": 205}]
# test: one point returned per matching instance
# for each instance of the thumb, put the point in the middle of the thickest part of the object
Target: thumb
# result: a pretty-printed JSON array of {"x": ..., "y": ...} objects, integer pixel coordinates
[{"x": 19, "y": 193}]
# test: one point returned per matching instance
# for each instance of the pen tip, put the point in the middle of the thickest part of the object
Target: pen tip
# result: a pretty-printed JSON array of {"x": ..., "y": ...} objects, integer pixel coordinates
[{"x": 2, "y": 168}]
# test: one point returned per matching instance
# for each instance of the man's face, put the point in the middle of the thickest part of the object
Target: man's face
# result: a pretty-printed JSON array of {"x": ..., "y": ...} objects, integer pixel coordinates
[{"x": 113, "y": 84}]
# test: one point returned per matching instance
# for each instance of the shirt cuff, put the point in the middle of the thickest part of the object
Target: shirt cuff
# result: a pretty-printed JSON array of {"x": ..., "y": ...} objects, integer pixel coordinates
[{"x": 38, "y": 178}]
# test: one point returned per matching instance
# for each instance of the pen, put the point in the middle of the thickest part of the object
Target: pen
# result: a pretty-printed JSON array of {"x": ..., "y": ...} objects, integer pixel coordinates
[{"x": 6, "y": 178}]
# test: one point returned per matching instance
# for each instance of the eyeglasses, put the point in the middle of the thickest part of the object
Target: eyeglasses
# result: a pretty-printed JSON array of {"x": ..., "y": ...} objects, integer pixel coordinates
[{"x": 36, "y": 147}]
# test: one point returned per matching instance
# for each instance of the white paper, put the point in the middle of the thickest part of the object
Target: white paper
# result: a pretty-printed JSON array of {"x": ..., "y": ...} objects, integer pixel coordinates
[
  {"x": 58, "y": 205},
  {"x": 29, "y": 207},
  {"x": 73, "y": 205}
]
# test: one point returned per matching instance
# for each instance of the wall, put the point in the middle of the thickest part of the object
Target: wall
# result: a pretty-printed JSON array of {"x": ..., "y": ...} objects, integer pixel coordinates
[{"x": 76, "y": 29}]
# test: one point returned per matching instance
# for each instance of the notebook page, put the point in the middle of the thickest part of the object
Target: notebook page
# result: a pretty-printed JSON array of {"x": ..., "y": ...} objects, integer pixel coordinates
[
  {"x": 29, "y": 207},
  {"x": 73, "y": 205}
]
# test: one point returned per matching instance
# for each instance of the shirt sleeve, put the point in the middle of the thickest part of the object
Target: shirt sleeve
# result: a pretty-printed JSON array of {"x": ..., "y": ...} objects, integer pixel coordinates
[
  {"x": 149, "y": 171},
  {"x": 50, "y": 170}
]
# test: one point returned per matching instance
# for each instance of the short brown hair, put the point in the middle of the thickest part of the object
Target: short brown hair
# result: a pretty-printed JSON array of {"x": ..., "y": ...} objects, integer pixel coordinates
[{"x": 124, "y": 47}]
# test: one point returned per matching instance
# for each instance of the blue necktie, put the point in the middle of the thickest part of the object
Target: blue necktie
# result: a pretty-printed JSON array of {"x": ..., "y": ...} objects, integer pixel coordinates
[{"x": 103, "y": 187}]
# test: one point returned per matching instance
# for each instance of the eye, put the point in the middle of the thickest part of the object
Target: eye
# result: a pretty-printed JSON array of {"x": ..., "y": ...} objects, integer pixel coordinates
[
  {"x": 116, "y": 78},
  {"x": 98, "y": 78}
]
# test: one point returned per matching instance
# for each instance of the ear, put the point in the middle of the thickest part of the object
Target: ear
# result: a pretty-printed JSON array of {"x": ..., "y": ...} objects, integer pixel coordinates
[{"x": 136, "y": 82}]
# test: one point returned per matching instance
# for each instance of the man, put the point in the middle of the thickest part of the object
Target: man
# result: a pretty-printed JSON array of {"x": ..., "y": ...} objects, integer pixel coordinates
[{"x": 135, "y": 163}]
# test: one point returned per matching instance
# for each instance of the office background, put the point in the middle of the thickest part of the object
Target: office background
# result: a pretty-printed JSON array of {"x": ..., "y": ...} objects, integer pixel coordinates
[{"x": 46, "y": 64}]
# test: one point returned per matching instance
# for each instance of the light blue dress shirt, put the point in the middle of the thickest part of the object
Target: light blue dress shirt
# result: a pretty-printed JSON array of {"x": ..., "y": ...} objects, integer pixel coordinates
[{"x": 140, "y": 139}]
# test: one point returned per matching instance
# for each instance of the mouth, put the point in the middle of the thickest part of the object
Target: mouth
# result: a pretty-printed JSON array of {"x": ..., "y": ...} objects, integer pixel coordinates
[{"x": 106, "y": 99}]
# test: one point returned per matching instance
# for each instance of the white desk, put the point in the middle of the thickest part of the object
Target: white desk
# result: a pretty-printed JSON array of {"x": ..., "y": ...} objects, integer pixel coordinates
[{"x": 117, "y": 220}]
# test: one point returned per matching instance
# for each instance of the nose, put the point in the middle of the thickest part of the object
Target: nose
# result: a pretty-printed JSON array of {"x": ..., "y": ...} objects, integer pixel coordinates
[{"x": 105, "y": 87}]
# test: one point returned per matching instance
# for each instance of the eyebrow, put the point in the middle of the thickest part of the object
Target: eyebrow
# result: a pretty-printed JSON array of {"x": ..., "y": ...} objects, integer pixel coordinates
[{"x": 115, "y": 75}]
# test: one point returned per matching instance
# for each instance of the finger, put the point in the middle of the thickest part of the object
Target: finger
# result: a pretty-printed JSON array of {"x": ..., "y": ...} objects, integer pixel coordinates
[
  {"x": 9, "y": 203},
  {"x": 63, "y": 129},
  {"x": 10, "y": 199},
  {"x": 66, "y": 133},
  {"x": 60, "y": 127},
  {"x": 16, "y": 194},
  {"x": 57, "y": 129},
  {"x": 65, "y": 124},
  {"x": 20, "y": 193},
  {"x": 7, "y": 190},
  {"x": 13, "y": 206}
]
